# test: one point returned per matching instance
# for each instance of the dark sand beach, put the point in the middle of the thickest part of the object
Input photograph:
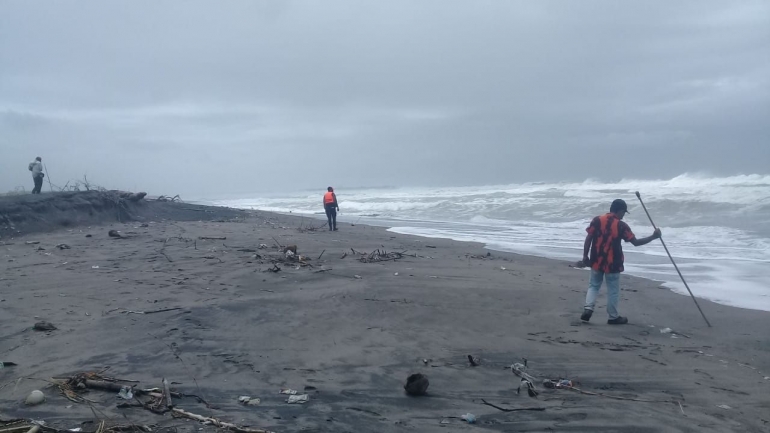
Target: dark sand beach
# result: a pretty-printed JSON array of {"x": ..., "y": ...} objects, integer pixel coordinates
[{"x": 348, "y": 333}]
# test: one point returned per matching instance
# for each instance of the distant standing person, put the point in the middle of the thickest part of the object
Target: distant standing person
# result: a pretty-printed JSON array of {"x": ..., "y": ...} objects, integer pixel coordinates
[
  {"x": 331, "y": 207},
  {"x": 36, "y": 167},
  {"x": 606, "y": 258}
]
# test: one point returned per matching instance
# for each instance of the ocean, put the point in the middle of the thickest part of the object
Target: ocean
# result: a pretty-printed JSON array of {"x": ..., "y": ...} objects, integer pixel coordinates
[{"x": 717, "y": 228}]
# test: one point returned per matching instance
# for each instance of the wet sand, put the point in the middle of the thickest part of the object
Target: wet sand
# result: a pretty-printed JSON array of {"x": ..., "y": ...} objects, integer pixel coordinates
[{"x": 352, "y": 332}]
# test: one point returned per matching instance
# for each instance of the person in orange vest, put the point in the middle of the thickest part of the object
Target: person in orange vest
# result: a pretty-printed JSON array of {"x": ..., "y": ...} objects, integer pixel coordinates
[{"x": 331, "y": 207}]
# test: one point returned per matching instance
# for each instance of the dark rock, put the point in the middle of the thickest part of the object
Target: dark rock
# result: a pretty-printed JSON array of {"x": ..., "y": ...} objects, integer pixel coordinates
[{"x": 44, "y": 326}]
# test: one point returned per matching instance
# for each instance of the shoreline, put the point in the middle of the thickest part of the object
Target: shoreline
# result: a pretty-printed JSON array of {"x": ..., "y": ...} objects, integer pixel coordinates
[
  {"x": 354, "y": 331},
  {"x": 674, "y": 286}
]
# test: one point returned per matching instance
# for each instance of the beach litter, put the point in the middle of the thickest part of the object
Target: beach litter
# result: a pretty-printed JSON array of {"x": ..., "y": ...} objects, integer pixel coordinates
[
  {"x": 673, "y": 333},
  {"x": 288, "y": 391},
  {"x": 35, "y": 397},
  {"x": 469, "y": 418},
  {"x": 249, "y": 401},
  {"x": 95, "y": 267},
  {"x": 4, "y": 364},
  {"x": 416, "y": 384},
  {"x": 299, "y": 399},
  {"x": 557, "y": 383},
  {"x": 32, "y": 242},
  {"x": 474, "y": 360},
  {"x": 723, "y": 406},
  {"x": 63, "y": 247},
  {"x": 126, "y": 393}
]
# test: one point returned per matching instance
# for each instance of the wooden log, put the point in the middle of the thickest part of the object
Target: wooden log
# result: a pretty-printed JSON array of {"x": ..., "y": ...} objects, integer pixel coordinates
[{"x": 216, "y": 422}]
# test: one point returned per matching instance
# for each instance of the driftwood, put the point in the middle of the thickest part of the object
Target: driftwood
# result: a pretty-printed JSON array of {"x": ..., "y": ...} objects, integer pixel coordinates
[
  {"x": 380, "y": 256},
  {"x": 511, "y": 410},
  {"x": 216, "y": 422}
]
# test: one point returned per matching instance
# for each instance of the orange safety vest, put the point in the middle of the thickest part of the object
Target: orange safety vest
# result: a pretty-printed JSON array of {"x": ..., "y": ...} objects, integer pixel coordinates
[{"x": 329, "y": 198}]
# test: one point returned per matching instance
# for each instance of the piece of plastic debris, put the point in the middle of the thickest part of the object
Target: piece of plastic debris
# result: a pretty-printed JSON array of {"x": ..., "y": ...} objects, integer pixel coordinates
[
  {"x": 126, "y": 393},
  {"x": 557, "y": 383},
  {"x": 469, "y": 418},
  {"x": 76, "y": 429},
  {"x": 357, "y": 277},
  {"x": 247, "y": 400},
  {"x": 502, "y": 268},
  {"x": 396, "y": 274},
  {"x": 289, "y": 254},
  {"x": 95, "y": 267},
  {"x": 666, "y": 331},
  {"x": 7, "y": 364},
  {"x": 299, "y": 399},
  {"x": 35, "y": 397},
  {"x": 723, "y": 406},
  {"x": 288, "y": 391},
  {"x": 444, "y": 421}
]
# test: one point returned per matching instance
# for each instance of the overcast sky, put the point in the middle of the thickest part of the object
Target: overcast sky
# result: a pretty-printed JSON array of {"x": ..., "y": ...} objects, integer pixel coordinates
[{"x": 225, "y": 97}]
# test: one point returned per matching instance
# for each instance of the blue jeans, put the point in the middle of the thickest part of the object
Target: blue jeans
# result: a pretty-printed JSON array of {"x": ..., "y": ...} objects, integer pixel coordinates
[{"x": 613, "y": 291}]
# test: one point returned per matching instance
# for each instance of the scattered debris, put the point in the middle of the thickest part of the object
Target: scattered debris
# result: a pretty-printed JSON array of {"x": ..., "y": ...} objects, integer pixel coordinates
[
  {"x": 126, "y": 393},
  {"x": 275, "y": 269},
  {"x": 249, "y": 401},
  {"x": 216, "y": 422},
  {"x": 474, "y": 360},
  {"x": 95, "y": 267},
  {"x": 288, "y": 391},
  {"x": 380, "y": 256},
  {"x": 292, "y": 248},
  {"x": 395, "y": 274},
  {"x": 262, "y": 246},
  {"x": 512, "y": 410},
  {"x": 35, "y": 397},
  {"x": 114, "y": 234},
  {"x": 32, "y": 242},
  {"x": 357, "y": 277},
  {"x": 299, "y": 399},
  {"x": 416, "y": 384},
  {"x": 4, "y": 364},
  {"x": 673, "y": 333},
  {"x": 44, "y": 326},
  {"x": 526, "y": 380},
  {"x": 430, "y": 246},
  {"x": 162, "y": 310},
  {"x": 723, "y": 406},
  {"x": 469, "y": 418},
  {"x": 557, "y": 383},
  {"x": 89, "y": 236},
  {"x": 213, "y": 238}
]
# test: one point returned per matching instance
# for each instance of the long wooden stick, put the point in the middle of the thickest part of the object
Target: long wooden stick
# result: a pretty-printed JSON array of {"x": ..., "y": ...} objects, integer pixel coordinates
[{"x": 672, "y": 260}]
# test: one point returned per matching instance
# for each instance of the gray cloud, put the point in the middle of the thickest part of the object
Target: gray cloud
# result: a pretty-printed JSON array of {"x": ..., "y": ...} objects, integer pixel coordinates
[{"x": 207, "y": 99}]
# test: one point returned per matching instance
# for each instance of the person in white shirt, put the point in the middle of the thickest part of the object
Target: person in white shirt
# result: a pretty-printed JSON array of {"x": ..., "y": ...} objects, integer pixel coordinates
[{"x": 36, "y": 167}]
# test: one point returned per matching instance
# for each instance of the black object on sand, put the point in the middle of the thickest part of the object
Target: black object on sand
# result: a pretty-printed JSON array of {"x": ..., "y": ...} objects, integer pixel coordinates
[{"x": 416, "y": 384}]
